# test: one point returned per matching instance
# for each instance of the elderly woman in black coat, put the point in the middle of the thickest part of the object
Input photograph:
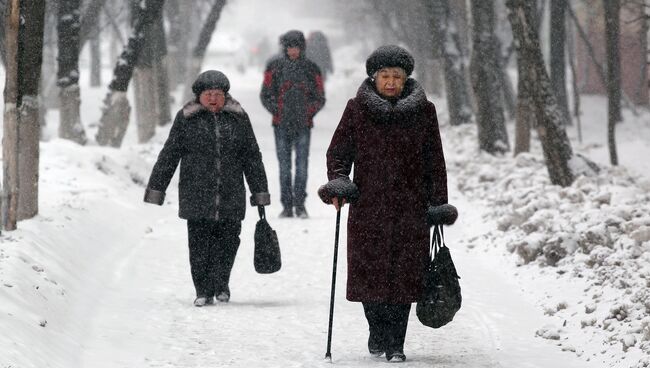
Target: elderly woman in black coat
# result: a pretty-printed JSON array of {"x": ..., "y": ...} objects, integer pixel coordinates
[
  {"x": 213, "y": 140},
  {"x": 389, "y": 132}
]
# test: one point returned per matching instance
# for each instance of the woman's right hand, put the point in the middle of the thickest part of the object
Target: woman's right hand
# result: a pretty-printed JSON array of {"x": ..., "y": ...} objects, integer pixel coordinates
[{"x": 337, "y": 205}]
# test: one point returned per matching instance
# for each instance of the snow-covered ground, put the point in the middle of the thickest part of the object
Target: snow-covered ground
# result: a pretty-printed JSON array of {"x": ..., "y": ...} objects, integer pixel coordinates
[{"x": 551, "y": 277}]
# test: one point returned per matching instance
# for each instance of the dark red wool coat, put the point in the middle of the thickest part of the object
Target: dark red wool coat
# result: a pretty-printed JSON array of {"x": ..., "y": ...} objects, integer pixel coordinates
[{"x": 399, "y": 168}]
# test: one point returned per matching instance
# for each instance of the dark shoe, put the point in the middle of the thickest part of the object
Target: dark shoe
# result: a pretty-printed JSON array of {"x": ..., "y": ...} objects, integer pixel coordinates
[
  {"x": 286, "y": 212},
  {"x": 202, "y": 300},
  {"x": 395, "y": 356},
  {"x": 301, "y": 212},
  {"x": 223, "y": 296},
  {"x": 375, "y": 346}
]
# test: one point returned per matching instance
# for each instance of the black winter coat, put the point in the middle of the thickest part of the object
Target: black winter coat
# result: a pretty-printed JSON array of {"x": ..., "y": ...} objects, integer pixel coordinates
[
  {"x": 292, "y": 91},
  {"x": 216, "y": 152}
]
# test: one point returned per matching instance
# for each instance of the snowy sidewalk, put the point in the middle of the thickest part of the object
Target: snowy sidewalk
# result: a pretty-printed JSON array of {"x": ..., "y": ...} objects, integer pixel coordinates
[{"x": 146, "y": 318}]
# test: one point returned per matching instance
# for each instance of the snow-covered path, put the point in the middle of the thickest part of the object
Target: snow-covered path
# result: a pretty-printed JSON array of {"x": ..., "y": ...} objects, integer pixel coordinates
[{"x": 145, "y": 317}]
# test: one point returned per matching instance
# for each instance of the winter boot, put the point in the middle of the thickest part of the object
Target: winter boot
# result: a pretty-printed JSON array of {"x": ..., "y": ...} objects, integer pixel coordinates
[
  {"x": 286, "y": 212},
  {"x": 396, "y": 356},
  {"x": 376, "y": 345},
  {"x": 301, "y": 212},
  {"x": 223, "y": 296},
  {"x": 202, "y": 300}
]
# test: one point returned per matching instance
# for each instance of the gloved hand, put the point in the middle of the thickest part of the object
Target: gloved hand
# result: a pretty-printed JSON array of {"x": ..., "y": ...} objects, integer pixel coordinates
[
  {"x": 444, "y": 214},
  {"x": 260, "y": 199},
  {"x": 342, "y": 188}
]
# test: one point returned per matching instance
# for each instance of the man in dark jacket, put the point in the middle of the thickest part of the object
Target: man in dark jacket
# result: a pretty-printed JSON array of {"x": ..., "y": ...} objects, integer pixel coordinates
[
  {"x": 213, "y": 140},
  {"x": 293, "y": 92}
]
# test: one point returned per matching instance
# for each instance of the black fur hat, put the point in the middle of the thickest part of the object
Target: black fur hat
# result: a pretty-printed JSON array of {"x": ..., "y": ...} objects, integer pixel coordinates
[
  {"x": 293, "y": 38},
  {"x": 389, "y": 56},
  {"x": 210, "y": 79}
]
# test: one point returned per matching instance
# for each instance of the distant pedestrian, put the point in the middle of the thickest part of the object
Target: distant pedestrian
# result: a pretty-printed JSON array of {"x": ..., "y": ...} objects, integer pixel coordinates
[
  {"x": 389, "y": 132},
  {"x": 293, "y": 92},
  {"x": 213, "y": 140},
  {"x": 318, "y": 51}
]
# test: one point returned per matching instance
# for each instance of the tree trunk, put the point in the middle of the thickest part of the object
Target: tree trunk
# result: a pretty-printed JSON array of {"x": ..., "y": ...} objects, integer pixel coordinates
[
  {"x": 90, "y": 21},
  {"x": 612, "y": 19},
  {"x": 180, "y": 16},
  {"x": 644, "y": 35},
  {"x": 557, "y": 55},
  {"x": 111, "y": 131},
  {"x": 68, "y": 74},
  {"x": 30, "y": 56},
  {"x": 145, "y": 83},
  {"x": 456, "y": 88},
  {"x": 508, "y": 93},
  {"x": 161, "y": 74},
  {"x": 574, "y": 78},
  {"x": 550, "y": 125},
  {"x": 161, "y": 71},
  {"x": 525, "y": 117},
  {"x": 49, "y": 91},
  {"x": 492, "y": 134},
  {"x": 199, "y": 50},
  {"x": 95, "y": 59},
  {"x": 145, "y": 102},
  {"x": 11, "y": 118}
]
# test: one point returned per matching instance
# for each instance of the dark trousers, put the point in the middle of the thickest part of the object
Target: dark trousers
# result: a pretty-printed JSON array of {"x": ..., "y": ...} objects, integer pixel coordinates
[
  {"x": 285, "y": 142},
  {"x": 387, "y": 324},
  {"x": 213, "y": 247}
]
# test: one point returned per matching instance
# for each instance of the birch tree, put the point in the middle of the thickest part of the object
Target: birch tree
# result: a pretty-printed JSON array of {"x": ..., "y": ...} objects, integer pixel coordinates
[
  {"x": 557, "y": 62},
  {"x": 456, "y": 87},
  {"x": 612, "y": 20},
  {"x": 70, "y": 126},
  {"x": 150, "y": 82},
  {"x": 11, "y": 118},
  {"x": 484, "y": 69},
  {"x": 24, "y": 43},
  {"x": 561, "y": 163},
  {"x": 198, "y": 52},
  {"x": 116, "y": 109},
  {"x": 179, "y": 14}
]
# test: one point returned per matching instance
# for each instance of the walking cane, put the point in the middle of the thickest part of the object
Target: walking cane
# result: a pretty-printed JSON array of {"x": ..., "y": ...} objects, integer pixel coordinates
[{"x": 328, "y": 354}]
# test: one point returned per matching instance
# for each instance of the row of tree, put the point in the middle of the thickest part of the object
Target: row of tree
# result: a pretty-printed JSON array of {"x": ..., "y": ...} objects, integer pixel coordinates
[
  {"x": 478, "y": 88},
  {"x": 466, "y": 40},
  {"x": 32, "y": 28}
]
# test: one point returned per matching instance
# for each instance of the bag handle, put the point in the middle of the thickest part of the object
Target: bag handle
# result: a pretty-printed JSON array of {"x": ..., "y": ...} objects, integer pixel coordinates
[
  {"x": 260, "y": 210},
  {"x": 437, "y": 241}
]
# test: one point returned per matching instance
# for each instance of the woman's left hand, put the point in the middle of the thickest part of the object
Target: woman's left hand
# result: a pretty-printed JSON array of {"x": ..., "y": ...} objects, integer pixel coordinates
[{"x": 335, "y": 202}]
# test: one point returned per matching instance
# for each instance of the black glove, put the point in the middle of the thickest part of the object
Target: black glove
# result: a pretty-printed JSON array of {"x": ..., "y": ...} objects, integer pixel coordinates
[
  {"x": 445, "y": 214},
  {"x": 341, "y": 187},
  {"x": 260, "y": 199}
]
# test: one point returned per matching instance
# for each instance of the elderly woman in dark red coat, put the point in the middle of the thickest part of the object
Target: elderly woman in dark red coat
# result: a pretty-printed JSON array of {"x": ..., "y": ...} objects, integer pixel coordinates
[{"x": 389, "y": 132}]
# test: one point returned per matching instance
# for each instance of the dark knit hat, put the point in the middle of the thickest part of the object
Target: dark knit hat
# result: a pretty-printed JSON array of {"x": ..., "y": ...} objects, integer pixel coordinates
[
  {"x": 210, "y": 79},
  {"x": 389, "y": 56},
  {"x": 293, "y": 38}
]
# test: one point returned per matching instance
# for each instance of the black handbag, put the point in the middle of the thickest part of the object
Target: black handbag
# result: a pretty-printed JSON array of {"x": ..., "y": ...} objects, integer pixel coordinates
[
  {"x": 267, "y": 258},
  {"x": 441, "y": 297}
]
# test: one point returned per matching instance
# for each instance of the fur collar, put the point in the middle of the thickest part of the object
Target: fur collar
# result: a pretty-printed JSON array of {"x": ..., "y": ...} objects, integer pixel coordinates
[
  {"x": 193, "y": 107},
  {"x": 383, "y": 110}
]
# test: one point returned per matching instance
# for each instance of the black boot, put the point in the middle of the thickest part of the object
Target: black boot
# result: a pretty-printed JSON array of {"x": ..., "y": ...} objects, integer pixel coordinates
[
  {"x": 376, "y": 345},
  {"x": 286, "y": 212},
  {"x": 301, "y": 212}
]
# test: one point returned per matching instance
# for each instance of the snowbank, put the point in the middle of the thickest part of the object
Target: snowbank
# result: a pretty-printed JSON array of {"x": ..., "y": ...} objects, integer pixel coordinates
[{"x": 596, "y": 230}]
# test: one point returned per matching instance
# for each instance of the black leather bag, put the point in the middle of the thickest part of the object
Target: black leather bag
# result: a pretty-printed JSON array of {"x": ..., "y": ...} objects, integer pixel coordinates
[
  {"x": 441, "y": 297},
  {"x": 267, "y": 258}
]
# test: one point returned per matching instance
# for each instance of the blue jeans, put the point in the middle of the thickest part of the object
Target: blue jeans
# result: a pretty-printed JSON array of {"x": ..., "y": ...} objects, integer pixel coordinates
[{"x": 284, "y": 144}]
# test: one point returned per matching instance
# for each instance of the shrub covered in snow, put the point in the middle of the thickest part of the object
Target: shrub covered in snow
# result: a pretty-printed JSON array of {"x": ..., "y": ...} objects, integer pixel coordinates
[{"x": 597, "y": 229}]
